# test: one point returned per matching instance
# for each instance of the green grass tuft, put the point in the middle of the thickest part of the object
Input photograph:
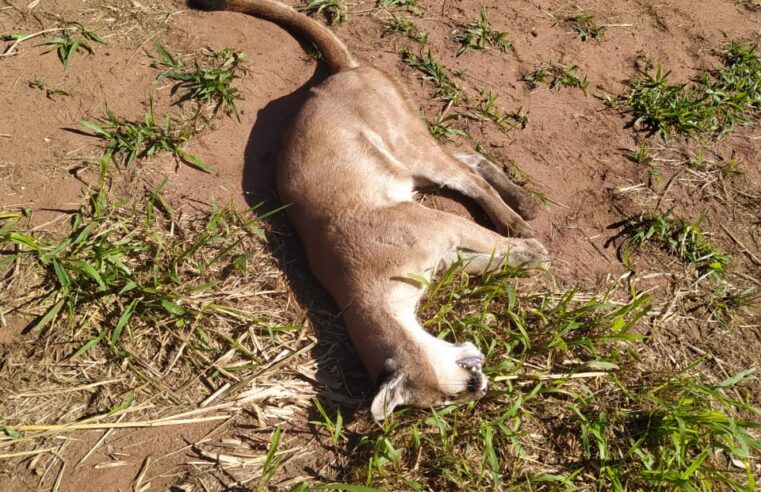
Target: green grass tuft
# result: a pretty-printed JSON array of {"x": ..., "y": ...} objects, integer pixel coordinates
[
  {"x": 441, "y": 129},
  {"x": 73, "y": 38},
  {"x": 113, "y": 261},
  {"x": 717, "y": 102},
  {"x": 207, "y": 83},
  {"x": 479, "y": 35},
  {"x": 678, "y": 237},
  {"x": 132, "y": 139},
  {"x": 585, "y": 26},
  {"x": 404, "y": 25},
  {"x": 50, "y": 93},
  {"x": 556, "y": 76},
  {"x": 487, "y": 111},
  {"x": 334, "y": 10},
  {"x": 435, "y": 73}
]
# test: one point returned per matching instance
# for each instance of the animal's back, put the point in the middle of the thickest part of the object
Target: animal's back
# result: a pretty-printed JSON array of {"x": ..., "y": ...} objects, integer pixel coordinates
[{"x": 349, "y": 139}]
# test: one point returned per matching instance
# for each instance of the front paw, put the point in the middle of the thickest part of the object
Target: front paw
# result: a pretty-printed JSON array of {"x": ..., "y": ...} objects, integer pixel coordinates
[
  {"x": 528, "y": 252},
  {"x": 515, "y": 228}
]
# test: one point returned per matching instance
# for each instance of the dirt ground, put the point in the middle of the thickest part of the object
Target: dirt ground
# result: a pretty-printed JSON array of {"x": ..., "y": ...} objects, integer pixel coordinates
[{"x": 573, "y": 151}]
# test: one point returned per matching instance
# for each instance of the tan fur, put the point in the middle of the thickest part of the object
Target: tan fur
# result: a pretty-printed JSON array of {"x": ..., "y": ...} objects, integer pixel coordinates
[{"x": 348, "y": 169}]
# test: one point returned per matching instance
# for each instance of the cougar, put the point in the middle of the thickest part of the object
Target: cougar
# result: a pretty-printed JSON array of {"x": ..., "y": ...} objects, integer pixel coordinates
[{"x": 348, "y": 171}]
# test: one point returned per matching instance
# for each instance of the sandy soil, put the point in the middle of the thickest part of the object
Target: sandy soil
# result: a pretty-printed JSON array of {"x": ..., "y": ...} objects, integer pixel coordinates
[{"x": 573, "y": 148}]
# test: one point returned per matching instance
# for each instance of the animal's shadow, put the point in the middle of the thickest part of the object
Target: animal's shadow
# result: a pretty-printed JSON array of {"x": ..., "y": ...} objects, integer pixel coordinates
[{"x": 343, "y": 381}]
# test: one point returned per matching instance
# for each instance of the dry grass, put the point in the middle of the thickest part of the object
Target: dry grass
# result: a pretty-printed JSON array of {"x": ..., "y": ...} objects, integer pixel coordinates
[{"x": 232, "y": 338}]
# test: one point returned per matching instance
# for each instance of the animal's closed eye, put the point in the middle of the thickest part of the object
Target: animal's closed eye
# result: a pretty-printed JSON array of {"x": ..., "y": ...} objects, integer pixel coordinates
[{"x": 450, "y": 399}]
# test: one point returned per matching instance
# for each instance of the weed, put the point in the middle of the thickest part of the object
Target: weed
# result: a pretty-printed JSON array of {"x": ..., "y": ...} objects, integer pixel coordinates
[
  {"x": 679, "y": 238},
  {"x": 674, "y": 436},
  {"x": 585, "y": 26},
  {"x": 211, "y": 83},
  {"x": 714, "y": 105},
  {"x": 405, "y": 26},
  {"x": 725, "y": 300},
  {"x": 454, "y": 96},
  {"x": 691, "y": 421},
  {"x": 50, "y": 93},
  {"x": 435, "y": 73},
  {"x": 729, "y": 167},
  {"x": 334, "y": 426},
  {"x": 271, "y": 462},
  {"x": 557, "y": 76},
  {"x": 380, "y": 450},
  {"x": 640, "y": 155},
  {"x": 538, "y": 76},
  {"x": 334, "y": 10},
  {"x": 410, "y": 6},
  {"x": 487, "y": 111},
  {"x": 73, "y": 38},
  {"x": 479, "y": 35},
  {"x": 135, "y": 139},
  {"x": 441, "y": 129},
  {"x": 566, "y": 77}
]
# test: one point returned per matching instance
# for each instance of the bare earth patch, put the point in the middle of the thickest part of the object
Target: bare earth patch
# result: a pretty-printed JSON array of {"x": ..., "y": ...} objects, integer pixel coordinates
[{"x": 159, "y": 328}]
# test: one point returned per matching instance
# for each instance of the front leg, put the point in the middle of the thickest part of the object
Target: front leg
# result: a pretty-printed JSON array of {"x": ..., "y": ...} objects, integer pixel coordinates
[
  {"x": 483, "y": 250},
  {"x": 444, "y": 170},
  {"x": 518, "y": 198}
]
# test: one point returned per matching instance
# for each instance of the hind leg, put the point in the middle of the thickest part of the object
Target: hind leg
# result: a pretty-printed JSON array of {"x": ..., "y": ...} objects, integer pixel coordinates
[
  {"x": 516, "y": 197},
  {"x": 441, "y": 238},
  {"x": 441, "y": 169}
]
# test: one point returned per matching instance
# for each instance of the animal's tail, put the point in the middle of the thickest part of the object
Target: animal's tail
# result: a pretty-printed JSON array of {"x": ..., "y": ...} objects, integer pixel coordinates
[{"x": 335, "y": 54}]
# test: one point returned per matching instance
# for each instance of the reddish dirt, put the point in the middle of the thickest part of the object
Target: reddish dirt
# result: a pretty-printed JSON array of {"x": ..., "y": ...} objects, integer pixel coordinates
[{"x": 572, "y": 148}]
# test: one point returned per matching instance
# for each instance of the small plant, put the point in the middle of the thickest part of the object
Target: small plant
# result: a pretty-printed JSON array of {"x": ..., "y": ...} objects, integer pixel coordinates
[
  {"x": 725, "y": 300},
  {"x": 136, "y": 139},
  {"x": 272, "y": 462},
  {"x": 487, "y": 111},
  {"x": 405, "y": 26},
  {"x": 50, "y": 93},
  {"x": 557, "y": 76},
  {"x": 73, "y": 38},
  {"x": 715, "y": 104},
  {"x": 206, "y": 84},
  {"x": 479, "y": 35},
  {"x": 440, "y": 127},
  {"x": 538, "y": 76},
  {"x": 435, "y": 73},
  {"x": 566, "y": 77},
  {"x": 640, "y": 155},
  {"x": 585, "y": 26},
  {"x": 334, "y": 10},
  {"x": 410, "y": 6},
  {"x": 334, "y": 426},
  {"x": 679, "y": 238}
]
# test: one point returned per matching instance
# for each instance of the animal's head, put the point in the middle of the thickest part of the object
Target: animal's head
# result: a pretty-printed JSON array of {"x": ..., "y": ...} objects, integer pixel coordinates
[{"x": 437, "y": 373}]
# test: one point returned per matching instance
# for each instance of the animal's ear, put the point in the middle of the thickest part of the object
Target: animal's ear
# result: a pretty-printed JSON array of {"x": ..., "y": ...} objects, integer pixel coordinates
[{"x": 390, "y": 395}]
